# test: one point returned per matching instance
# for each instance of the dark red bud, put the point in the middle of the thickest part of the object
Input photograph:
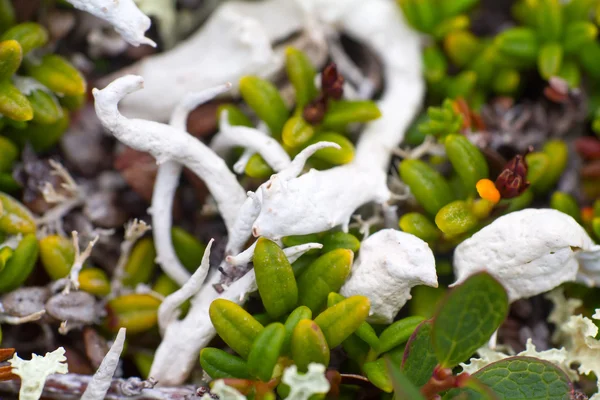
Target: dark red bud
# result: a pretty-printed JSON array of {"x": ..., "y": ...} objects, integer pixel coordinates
[
  {"x": 588, "y": 147},
  {"x": 512, "y": 181},
  {"x": 315, "y": 111},
  {"x": 332, "y": 83}
]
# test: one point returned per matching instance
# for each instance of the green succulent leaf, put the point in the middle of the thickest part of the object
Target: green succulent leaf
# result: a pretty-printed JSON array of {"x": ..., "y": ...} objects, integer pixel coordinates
[
  {"x": 467, "y": 318},
  {"x": 301, "y": 74},
  {"x": 46, "y": 108},
  {"x": 94, "y": 281},
  {"x": 11, "y": 55},
  {"x": 340, "y": 240},
  {"x": 264, "y": 98},
  {"x": 550, "y": 59},
  {"x": 9, "y": 154},
  {"x": 365, "y": 331},
  {"x": 326, "y": 274},
  {"x": 13, "y": 104},
  {"x": 309, "y": 345},
  {"x": 58, "y": 75},
  {"x": 398, "y": 333},
  {"x": 258, "y": 168},
  {"x": 275, "y": 278},
  {"x": 20, "y": 264},
  {"x": 419, "y": 225},
  {"x": 234, "y": 325},
  {"x": 57, "y": 255},
  {"x": 455, "y": 218},
  {"x": 377, "y": 373},
  {"x": 141, "y": 263},
  {"x": 265, "y": 351},
  {"x": 428, "y": 186},
  {"x": 29, "y": 35},
  {"x": 331, "y": 155},
  {"x": 466, "y": 159},
  {"x": 219, "y": 364},
  {"x": 344, "y": 112},
  {"x": 137, "y": 312},
  {"x": 15, "y": 217},
  {"x": 343, "y": 319},
  {"x": 292, "y": 320},
  {"x": 189, "y": 250}
]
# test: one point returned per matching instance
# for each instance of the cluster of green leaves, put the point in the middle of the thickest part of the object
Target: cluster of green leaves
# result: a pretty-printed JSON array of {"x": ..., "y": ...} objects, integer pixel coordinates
[
  {"x": 465, "y": 321},
  {"x": 451, "y": 208},
  {"x": 289, "y": 126},
  {"x": 304, "y": 316},
  {"x": 56, "y": 254},
  {"x": 37, "y": 91},
  {"x": 557, "y": 38}
]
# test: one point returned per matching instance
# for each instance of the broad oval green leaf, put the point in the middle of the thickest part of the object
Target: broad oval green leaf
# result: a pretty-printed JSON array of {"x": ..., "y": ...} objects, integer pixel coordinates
[
  {"x": 57, "y": 255},
  {"x": 520, "y": 378},
  {"x": 419, "y": 359},
  {"x": 467, "y": 318}
]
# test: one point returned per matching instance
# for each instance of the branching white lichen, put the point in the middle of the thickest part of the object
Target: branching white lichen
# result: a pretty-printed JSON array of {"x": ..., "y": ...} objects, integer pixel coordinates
[
  {"x": 124, "y": 15},
  {"x": 72, "y": 196},
  {"x": 33, "y": 373},
  {"x": 134, "y": 230},
  {"x": 80, "y": 258},
  {"x": 98, "y": 386},
  {"x": 390, "y": 263},
  {"x": 168, "y": 310},
  {"x": 529, "y": 251},
  {"x": 303, "y": 386},
  {"x": 289, "y": 203}
]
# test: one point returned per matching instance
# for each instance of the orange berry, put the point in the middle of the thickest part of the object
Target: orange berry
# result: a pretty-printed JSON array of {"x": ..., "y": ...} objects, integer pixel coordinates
[{"x": 487, "y": 190}]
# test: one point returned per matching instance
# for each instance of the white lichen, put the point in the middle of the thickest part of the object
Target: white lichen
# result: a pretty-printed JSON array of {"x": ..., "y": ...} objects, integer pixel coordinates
[
  {"x": 100, "y": 383},
  {"x": 123, "y": 15},
  {"x": 223, "y": 391},
  {"x": 290, "y": 202},
  {"x": 79, "y": 260},
  {"x": 33, "y": 373},
  {"x": 389, "y": 264},
  {"x": 303, "y": 386},
  {"x": 134, "y": 230},
  {"x": 530, "y": 251}
]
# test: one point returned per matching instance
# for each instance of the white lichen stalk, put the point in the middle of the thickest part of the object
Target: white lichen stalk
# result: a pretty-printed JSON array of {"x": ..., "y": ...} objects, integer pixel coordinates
[
  {"x": 123, "y": 15},
  {"x": 100, "y": 383}
]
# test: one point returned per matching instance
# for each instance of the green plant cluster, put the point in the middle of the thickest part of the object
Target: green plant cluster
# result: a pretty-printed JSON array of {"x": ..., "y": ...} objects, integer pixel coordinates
[
  {"x": 55, "y": 254},
  {"x": 305, "y": 319},
  {"x": 449, "y": 208},
  {"x": 37, "y": 91},
  {"x": 556, "y": 38},
  {"x": 289, "y": 127}
]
